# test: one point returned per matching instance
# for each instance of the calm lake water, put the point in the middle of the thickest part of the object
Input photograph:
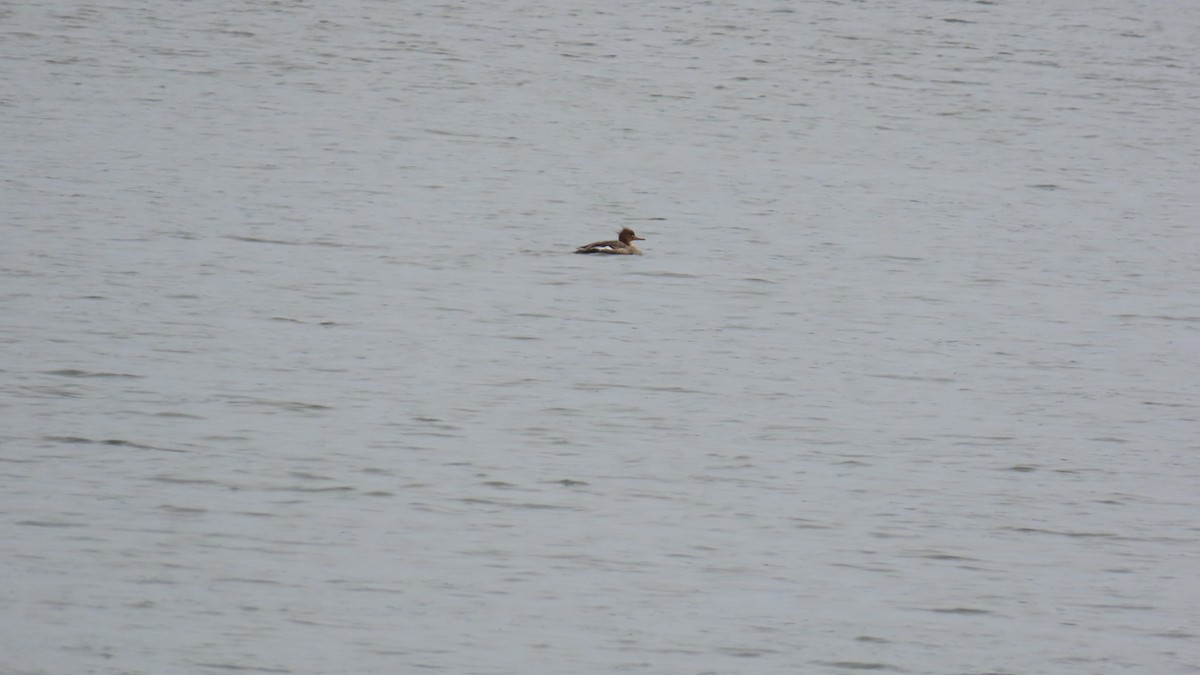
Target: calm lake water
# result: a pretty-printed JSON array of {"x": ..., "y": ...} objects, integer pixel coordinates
[{"x": 298, "y": 373}]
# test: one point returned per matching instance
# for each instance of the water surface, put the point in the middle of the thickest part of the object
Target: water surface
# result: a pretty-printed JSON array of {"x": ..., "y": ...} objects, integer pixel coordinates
[{"x": 298, "y": 373}]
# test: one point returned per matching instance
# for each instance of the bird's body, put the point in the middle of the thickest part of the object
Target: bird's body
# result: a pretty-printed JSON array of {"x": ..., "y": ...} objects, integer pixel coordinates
[{"x": 623, "y": 245}]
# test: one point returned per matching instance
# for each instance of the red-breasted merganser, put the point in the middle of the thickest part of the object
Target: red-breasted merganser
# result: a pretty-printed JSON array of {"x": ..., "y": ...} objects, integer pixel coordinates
[{"x": 623, "y": 245}]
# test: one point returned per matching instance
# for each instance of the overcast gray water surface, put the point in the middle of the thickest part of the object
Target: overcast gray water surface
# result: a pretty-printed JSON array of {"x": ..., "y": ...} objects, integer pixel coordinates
[{"x": 298, "y": 373}]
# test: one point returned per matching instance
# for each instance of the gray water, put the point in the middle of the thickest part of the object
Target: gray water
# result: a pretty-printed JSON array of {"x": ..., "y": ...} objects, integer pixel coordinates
[{"x": 298, "y": 373}]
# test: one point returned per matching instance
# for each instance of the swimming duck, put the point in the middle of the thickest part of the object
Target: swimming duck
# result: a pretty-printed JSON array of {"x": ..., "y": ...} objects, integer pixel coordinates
[{"x": 623, "y": 245}]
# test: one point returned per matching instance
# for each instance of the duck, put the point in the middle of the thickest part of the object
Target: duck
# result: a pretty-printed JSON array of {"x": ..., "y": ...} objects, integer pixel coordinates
[{"x": 622, "y": 246}]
